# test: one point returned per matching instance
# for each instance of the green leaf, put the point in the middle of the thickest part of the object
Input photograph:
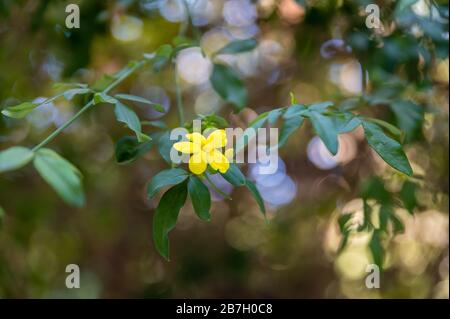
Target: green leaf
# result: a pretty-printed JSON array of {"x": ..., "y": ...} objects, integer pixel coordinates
[
  {"x": 397, "y": 224},
  {"x": 157, "y": 124},
  {"x": 214, "y": 120},
  {"x": 183, "y": 41},
  {"x": 166, "y": 216},
  {"x": 62, "y": 85},
  {"x": 70, "y": 94},
  {"x": 129, "y": 149},
  {"x": 325, "y": 128},
  {"x": 19, "y": 111},
  {"x": 289, "y": 127},
  {"x": 343, "y": 222},
  {"x": 126, "y": 115},
  {"x": 321, "y": 106},
  {"x": 259, "y": 120},
  {"x": 294, "y": 110},
  {"x": 389, "y": 149},
  {"x": 127, "y": 70},
  {"x": 200, "y": 197},
  {"x": 384, "y": 216},
  {"x": 165, "y": 145},
  {"x": 256, "y": 195},
  {"x": 409, "y": 117},
  {"x": 14, "y": 158},
  {"x": 408, "y": 196},
  {"x": 165, "y": 178},
  {"x": 376, "y": 248},
  {"x": 367, "y": 222},
  {"x": 61, "y": 175},
  {"x": 346, "y": 122},
  {"x": 234, "y": 176},
  {"x": 388, "y": 126},
  {"x": 162, "y": 57},
  {"x": 273, "y": 115},
  {"x": 102, "y": 83},
  {"x": 134, "y": 98},
  {"x": 374, "y": 188},
  {"x": 238, "y": 46},
  {"x": 104, "y": 98},
  {"x": 228, "y": 85}
]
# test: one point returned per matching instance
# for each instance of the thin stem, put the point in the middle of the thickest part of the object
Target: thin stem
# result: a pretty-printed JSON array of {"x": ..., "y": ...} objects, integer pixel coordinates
[
  {"x": 179, "y": 97},
  {"x": 86, "y": 107},
  {"x": 217, "y": 189},
  {"x": 64, "y": 126}
]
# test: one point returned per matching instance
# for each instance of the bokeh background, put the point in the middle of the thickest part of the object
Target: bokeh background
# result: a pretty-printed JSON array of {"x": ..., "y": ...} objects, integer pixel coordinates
[{"x": 318, "y": 50}]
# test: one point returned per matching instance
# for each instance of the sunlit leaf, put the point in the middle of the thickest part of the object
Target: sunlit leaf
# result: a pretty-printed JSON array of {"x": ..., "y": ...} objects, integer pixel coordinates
[
  {"x": 19, "y": 111},
  {"x": 62, "y": 85},
  {"x": 70, "y": 94},
  {"x": 104, "y": 98},
  {"x": 14, "y": 158},
  {"x": 162, "y": 57},
  {"x": 61, "y": 175}
]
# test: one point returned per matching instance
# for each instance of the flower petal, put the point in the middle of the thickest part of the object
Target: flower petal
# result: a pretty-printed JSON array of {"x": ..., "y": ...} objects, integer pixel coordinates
[
  {"x": 196, "y": 138},
  {"x": 216, "y": 139},
  {"x": 187, "y": 147},
  {"x": 218, "y": 161},
  {"x": 197, "y": 163}
]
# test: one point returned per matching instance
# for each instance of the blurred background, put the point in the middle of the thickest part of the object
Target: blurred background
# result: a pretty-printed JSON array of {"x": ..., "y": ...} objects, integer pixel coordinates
[{"x": 318, "y": 50}]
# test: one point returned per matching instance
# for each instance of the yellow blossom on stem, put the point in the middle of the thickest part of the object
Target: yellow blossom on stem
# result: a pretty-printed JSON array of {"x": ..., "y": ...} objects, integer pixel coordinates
[{"x": 206, "y": 151}]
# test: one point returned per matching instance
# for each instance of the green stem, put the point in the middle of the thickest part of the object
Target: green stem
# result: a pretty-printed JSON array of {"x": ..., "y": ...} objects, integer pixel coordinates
[
  {"x": 64, "y": 126},
  {"x": 86, "y": 107},
  {"x": 179, "y": 97},
  {"x": 217, "y": 189}
]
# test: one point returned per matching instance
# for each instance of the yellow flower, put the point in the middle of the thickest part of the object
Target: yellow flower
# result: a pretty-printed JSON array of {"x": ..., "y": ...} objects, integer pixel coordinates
[{"x": 206, "y": 151}]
